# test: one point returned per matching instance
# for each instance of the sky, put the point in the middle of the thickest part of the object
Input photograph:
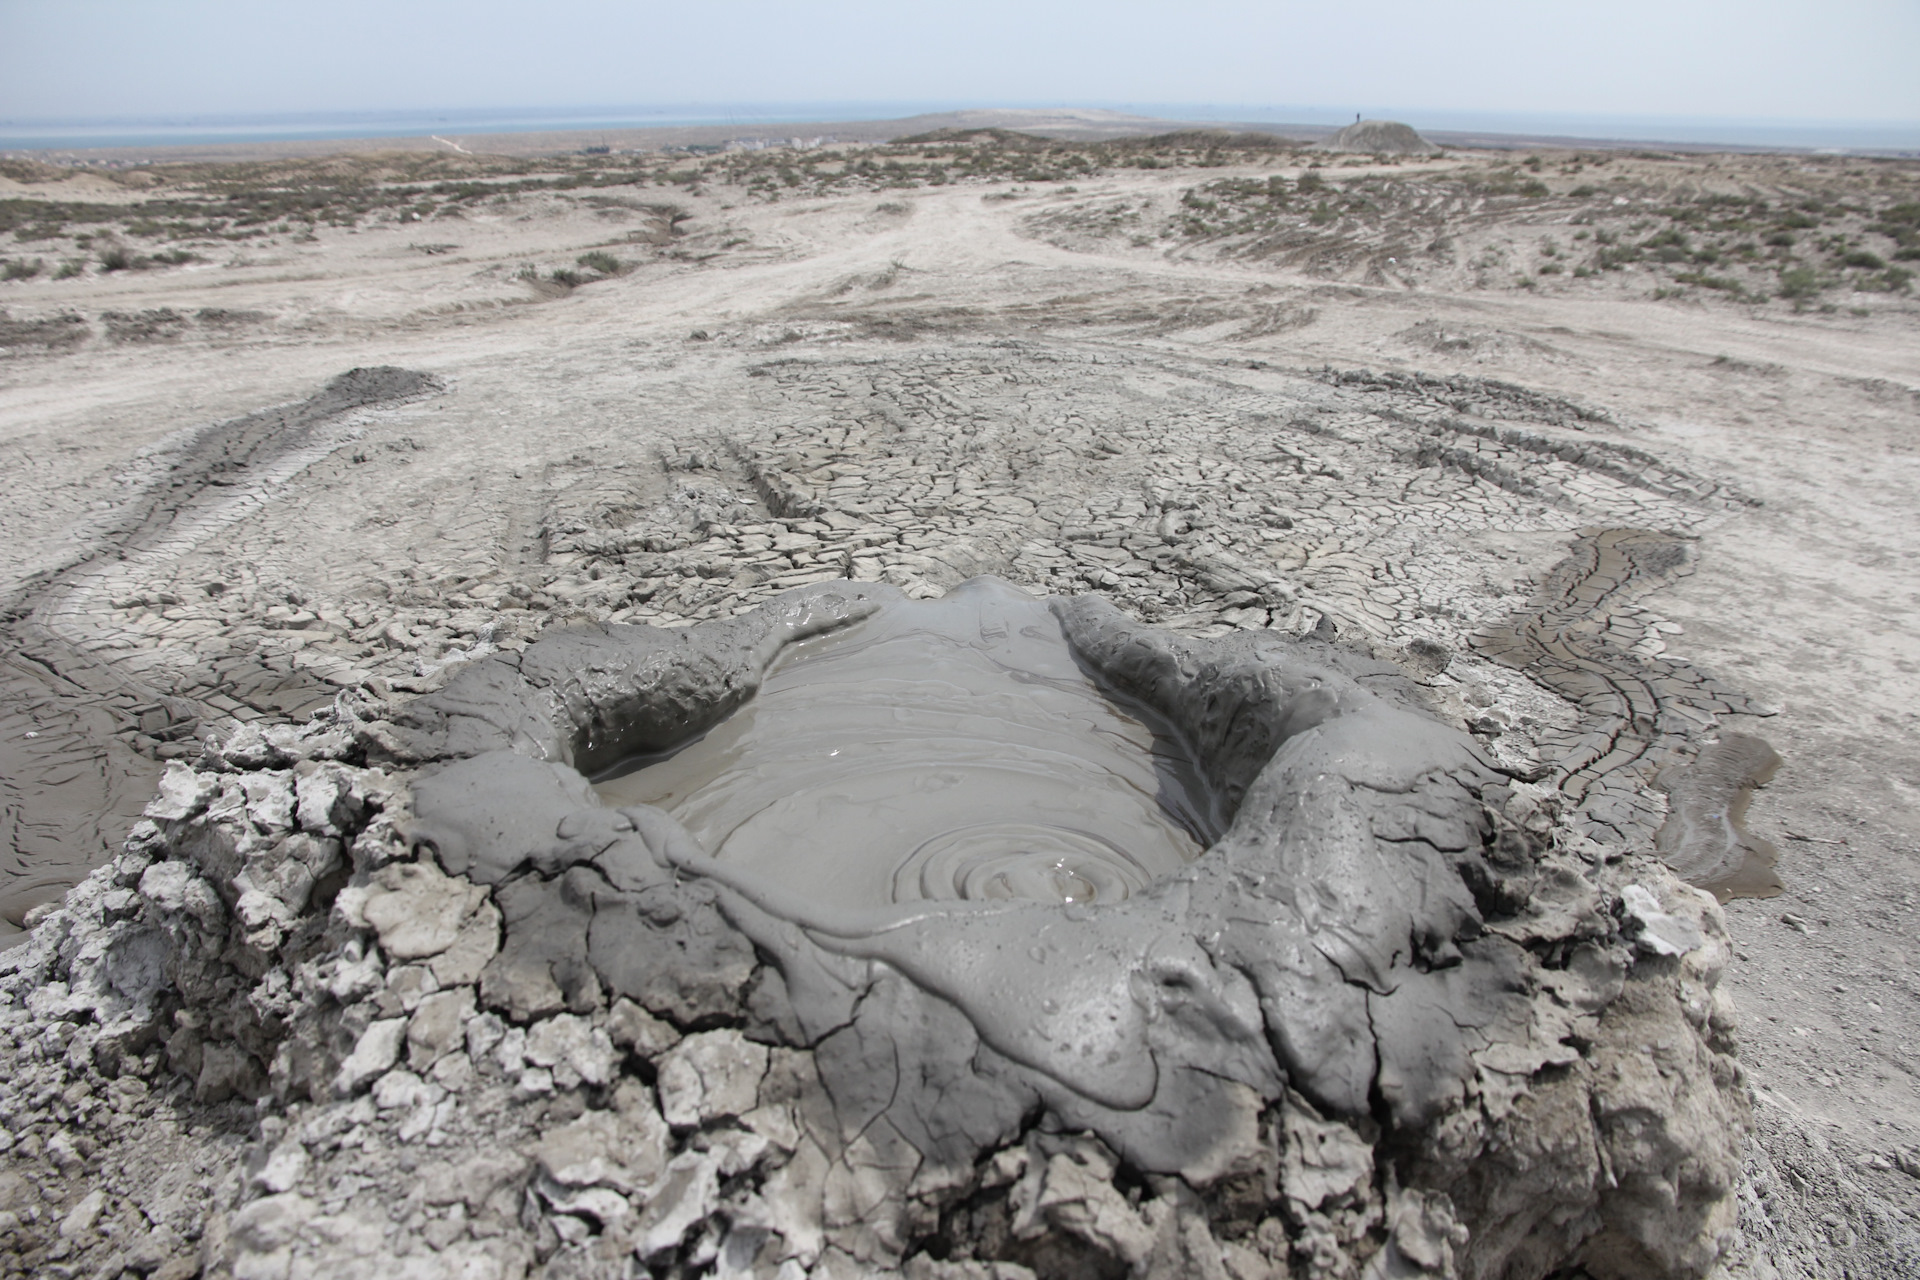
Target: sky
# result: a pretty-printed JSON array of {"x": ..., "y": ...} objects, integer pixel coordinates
[{"x": 1800, "y": 60}]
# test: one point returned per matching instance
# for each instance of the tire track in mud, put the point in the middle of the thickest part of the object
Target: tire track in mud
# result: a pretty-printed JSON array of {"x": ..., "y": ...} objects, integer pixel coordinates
[
  {"x": 86, "y": 716},
  {"x": 1640, "y": 712}
]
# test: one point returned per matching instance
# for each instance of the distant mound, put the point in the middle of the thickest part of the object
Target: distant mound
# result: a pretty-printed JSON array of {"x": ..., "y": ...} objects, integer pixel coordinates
[
  {"x": 1178, "y": 140},
  {"x": 1382, "y": 138}
]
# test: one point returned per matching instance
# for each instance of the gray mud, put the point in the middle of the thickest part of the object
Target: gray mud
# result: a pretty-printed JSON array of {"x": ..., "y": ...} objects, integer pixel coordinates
[
  {"x": 1638, "y": 711},
  {"x": 85, "y": 723},
  {"x": 1705, "y": 838},
  {"x": 1363, "y": 938},
  {"x": 949, "y": 749}
]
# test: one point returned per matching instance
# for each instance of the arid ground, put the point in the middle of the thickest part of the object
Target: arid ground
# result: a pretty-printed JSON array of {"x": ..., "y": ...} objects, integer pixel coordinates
[{"x": 1227, "y": 382}]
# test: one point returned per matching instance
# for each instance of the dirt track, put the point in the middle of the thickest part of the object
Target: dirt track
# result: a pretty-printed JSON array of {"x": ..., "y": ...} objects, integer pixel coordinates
[{"x": 924, "y": 384}]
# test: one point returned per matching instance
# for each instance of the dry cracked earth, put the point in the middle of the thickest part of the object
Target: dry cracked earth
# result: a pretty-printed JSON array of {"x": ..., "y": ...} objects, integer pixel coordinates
[{"x": 1604, "y": 514}]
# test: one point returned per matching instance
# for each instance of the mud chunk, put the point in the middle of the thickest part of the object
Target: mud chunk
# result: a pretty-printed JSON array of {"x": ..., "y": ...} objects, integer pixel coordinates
[
  {"x": 477, "y": 942},
  {"x": 709, "y": 1075},
  {"x": 270, "y": 1222},
  {"x": 473, "y": 1180},
  {"x": 438, "y": 1026},
  {"x": 80, "y": 1219},
  {"x": 326, "y": 801},
  {"x": 417, "y": 911},
  {"x": 183, "y": 793},
  {"x": 1069, "y": 1187},
  {"x": 542, "y": 966},
  {"x": 624, "y": 1148},
  {"x": 634, "y": 1028},
  {"x": 573, "y": 1049},
  {"x": 377, "y": 1049},
  {"x": 1658, "y": 933},
  {"x": 1322, "y": 1160},
  {"x": 675, "y": 954},
  {"x": 688, "y": 1192}
]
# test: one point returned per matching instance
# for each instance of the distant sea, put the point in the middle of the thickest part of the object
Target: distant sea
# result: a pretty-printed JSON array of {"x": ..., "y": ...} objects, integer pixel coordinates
[
  {"x": 57, "y": 135},
  {"x": 177, "y": 131}
]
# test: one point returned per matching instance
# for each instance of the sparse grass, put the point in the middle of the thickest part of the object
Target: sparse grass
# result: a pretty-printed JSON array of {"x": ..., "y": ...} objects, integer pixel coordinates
[
  {"x": 1799, "y": 285},
  {"x": 1890, "y": 280},
  {"x": 603, "y": 262},
  {"x": 1725, "y": 284},
  {"x": 51, "y": 333},
  {"x": 1677, "y": 222}
]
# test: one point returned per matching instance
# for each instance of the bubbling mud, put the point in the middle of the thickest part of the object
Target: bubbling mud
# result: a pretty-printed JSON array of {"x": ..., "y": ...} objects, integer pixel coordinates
[{"x": 955, "y": 750}]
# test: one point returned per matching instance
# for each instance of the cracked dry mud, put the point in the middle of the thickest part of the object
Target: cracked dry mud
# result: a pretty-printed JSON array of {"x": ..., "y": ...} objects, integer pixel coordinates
[{"x": 390, "y": 988}]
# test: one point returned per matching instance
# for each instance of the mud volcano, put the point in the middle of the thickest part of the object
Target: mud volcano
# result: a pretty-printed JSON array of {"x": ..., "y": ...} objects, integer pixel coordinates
[{"x": 1000, "y": 866}]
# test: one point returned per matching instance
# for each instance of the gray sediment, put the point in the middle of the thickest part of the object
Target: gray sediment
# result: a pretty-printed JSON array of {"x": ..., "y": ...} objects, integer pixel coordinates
[
  {"x": 1705, "y": 838},
  {"x": 1361, "y": 938}
]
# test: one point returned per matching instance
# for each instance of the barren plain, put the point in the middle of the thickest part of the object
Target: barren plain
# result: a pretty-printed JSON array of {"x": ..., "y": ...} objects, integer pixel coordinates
[{"x": 1226, "y": 383}]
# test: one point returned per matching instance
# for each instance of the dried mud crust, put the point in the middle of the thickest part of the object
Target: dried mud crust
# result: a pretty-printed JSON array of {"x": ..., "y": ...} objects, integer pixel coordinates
[
  {"x": 88, "y": 716},
  {"x": 1385, "y": 506},
  {"x": 1640, "y": 711}
]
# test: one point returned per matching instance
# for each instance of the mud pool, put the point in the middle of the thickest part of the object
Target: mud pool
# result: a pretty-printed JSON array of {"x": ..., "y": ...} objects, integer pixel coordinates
[{"x": 951, "y": 750}]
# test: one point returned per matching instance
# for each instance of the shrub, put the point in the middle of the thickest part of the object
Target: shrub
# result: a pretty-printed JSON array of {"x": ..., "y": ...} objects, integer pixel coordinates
[
  {"x": 1798, "y": 284},
  {"x": 571, "y": 279},
  {"x": 69, "y": 269},
  {"x": 115, "y": 259},
  {"x": 603, "y": 262},
  {"x": 1892, "y": 280},
  {"x": 1862, "y": 258},
  {"x": 22, "y": 270}
]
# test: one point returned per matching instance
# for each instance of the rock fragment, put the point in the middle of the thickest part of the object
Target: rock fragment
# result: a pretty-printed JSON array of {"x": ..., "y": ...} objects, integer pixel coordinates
[
  {"x": 710, "y": 1075},
  {"x": 377, "y": 1049},
  {"x": 417, "y": 911}
]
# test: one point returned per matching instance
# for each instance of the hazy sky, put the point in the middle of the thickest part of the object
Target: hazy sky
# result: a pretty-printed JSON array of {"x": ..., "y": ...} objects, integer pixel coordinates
[{"x": 1853, "y": 60}]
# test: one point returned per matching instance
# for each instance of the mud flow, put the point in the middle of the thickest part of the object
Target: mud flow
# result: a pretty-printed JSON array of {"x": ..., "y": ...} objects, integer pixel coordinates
[{"x": 952, "y": 749}]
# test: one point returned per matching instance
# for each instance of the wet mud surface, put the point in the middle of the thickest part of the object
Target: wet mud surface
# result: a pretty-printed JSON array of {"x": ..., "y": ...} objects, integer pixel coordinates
[
  {"x": 952, "y": 750},
  {"x": 1705, "y": 838}
]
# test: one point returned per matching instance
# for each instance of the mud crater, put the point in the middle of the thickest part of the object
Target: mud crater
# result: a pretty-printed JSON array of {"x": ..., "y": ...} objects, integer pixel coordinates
[{"x": 940, "y": 750}]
